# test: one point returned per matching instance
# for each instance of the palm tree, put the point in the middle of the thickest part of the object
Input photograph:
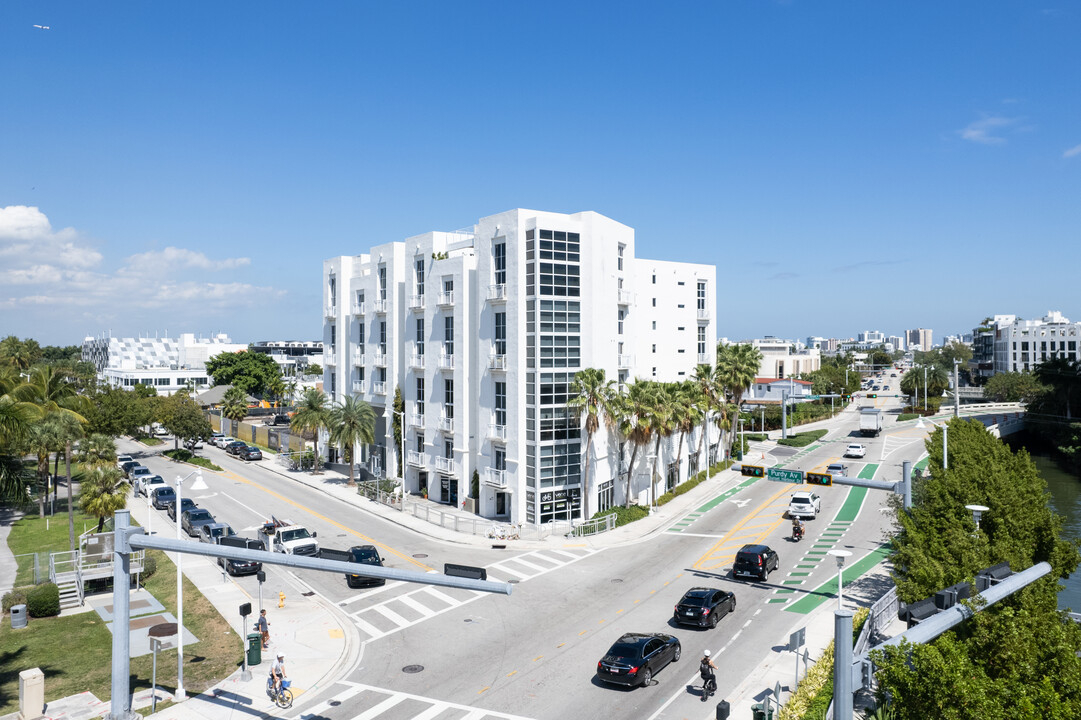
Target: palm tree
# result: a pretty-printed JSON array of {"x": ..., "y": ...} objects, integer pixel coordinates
[
  {"x": 710, "y": 391},
  {"x": 103, "y": 492},
  {"x": 51, "y": 391},
  {"x": 276, "y": 388},
  {"x": 68, "y": 430},
  {"x": 592, "y": 396},
  {"x": 312, "y": 415},
  {"x": 688, "y": 412},
  {"x": 42, "y": 438},
  {"x": 351, "y": 423},
  {"x": 234, "y": 404},
  {"x": 633, "y": 413},
  {"x": 97, "y": 450},
  {"x": 16, "y": 419},
  {"x": 737, "y": 366},
  {"x": 661, "y": 419}
]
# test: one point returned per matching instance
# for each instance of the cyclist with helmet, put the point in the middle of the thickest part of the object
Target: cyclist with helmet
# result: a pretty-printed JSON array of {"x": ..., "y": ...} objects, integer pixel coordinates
[
  {"x": 706, "y": 668},
  {"x": 277, "y": 672}
]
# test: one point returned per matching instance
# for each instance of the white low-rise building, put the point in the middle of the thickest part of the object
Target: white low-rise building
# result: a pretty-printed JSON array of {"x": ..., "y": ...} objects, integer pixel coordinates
[
  {"x": 166, "y": 364},
  {"x": 1021, "y": 345},
  {"x": 482, "y": 332},
  {"x": 781, "y": 360},
  {"x": 773, "y": 391}
]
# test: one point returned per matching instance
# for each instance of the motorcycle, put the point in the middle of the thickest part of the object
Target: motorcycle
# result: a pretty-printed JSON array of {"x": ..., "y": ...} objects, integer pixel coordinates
[{"x": 797, "y": 533}]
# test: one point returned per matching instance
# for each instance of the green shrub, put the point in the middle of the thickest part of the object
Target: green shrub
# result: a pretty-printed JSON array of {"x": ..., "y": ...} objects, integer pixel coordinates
[
  {"x": 756, "y": 437},
  {"x": 625, "y": 515},
  {"x": 150, "y": 566},
  {"x": 907, "y": 416},
  {"x": 183, "y": 455},
  {"x": 802, "y": 439},
  {"x": 15, "y": 597},
  {"x": 43, "y": 600}
]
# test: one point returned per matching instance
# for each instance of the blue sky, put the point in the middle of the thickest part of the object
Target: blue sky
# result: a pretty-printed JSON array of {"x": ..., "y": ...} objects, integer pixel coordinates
[{"x": 175, "y": 167}]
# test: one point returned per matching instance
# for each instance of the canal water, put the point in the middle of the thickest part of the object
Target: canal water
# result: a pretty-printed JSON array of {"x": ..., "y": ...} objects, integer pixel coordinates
[{"x": 1065, "y": 490}]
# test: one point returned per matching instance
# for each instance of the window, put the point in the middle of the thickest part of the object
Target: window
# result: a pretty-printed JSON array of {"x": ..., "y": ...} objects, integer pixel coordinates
[
  {"x": 619, "y": 325},
  {"x": 681, "y": 306},
  {"x": 501, "y": 403},
  {"x": 448, "y": 398},
  {"x": 654, "y": 372},
  {"x": 383, "y": 336},
  {"x": 448, "y": 448},
  {"x": 654, "y": 324},
  {"x": 448, "y": 285},
  {"x": 448, "y": 335},
  {"x": 654, "y": 348},
  {"x": 501, "y": 333},
  {"x": 360, "y": 297},
  {"x": 420, "y": 396},
  {"x": 500, "y": 460},
  {"x": 420, "y": 442},
  {"x": 701, "y": 295},
  {"x": 333, "y": 292},
  {"x": 619, "y": 259},
  {"x": 418, "y": 267},
  {"x": 360, "y": 336},
  {"x": 654, "y": 278},
  {"x": 701, "y": 341},
  {"x": 654, "y": 302},
  {"x": 333, "y": 336},
  {"x": 333, "y": 383},
  {"x": 606, "y": 495},
  {"x": 382, "y": 282},
  {"x": 499, "y": 263},
  {"x": 420, "y": 336}
]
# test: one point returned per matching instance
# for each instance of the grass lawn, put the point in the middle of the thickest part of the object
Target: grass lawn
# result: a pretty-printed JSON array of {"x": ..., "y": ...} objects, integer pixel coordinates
[
  {"x": 29, "y": 535},
  {"x": 74, "y": 651},
  {"x": 183, "y": 455},
  {"x": 151, "y": 441}
]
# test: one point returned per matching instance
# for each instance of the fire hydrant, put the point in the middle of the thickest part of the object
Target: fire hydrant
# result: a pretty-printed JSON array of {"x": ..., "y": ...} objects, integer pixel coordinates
[{"x": 281, "y": 598}]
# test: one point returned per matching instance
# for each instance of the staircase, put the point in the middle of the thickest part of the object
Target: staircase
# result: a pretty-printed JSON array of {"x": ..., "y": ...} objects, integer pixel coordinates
[{"x": 69, "y": 595}]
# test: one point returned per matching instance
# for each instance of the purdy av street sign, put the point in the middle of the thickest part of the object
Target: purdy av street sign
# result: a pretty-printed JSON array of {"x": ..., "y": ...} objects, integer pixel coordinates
[{"x": 788, "y": 476}]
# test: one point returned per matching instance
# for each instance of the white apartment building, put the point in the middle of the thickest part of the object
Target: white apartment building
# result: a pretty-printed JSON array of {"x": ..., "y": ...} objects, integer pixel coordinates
[
  {"x": 871, "y": 336},
  {"x": 167, "y": 364},
  {"x": 773, "y": 391},
  {"x": 896, "y": 342},
  {"x": 483, "y": 331},
  {"x": 779, "y": 360},
  {"x": 1021, "y": 345}
]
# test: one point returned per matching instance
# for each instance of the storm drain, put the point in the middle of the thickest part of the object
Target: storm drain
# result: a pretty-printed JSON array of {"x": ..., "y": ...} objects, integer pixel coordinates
[
  {"x": 412, "y": 669},
  {"x": 617, "y": 581},
  {"x": 420, "y": 556}
]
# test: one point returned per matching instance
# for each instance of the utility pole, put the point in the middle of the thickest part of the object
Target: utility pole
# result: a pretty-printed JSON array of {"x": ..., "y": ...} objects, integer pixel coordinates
[
  {"x": 784, "y": 414},
  {"x": 956, "y": 389}
]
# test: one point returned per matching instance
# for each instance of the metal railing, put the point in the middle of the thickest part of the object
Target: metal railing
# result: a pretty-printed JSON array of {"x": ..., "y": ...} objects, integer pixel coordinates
[
  {"x": 446, "y": 362},
  {"x": 330, "y": 311},
  {"x": 358, "y": 308},
  {"x": 379, "y": 388},
  {"x": 358, "y": 386},
  {"x": 380, "y": 358},
  {"x": 497, "y": 293},
  {"x": 373, "y": 490},
  {"x": 703, "y": 314},
  {"x": 625, "y": 297},
  {"x": 416, "y": 419},
  {"x": 594, "y": 526},
  {"x": 497, "y": 362},
  {"x": 358, "y": 357},
  {"x": 380, "y": 306},
  {"x": 624, "y": 361},
  {"x": 417, "y": 360},
  {"x": 446, "y": 424},
  {"x": 497, "y": 432},
  {"x": 494, "y": 477},
  {"x": 415, "y": 458},
  {"x": 34, "y": 560},
  {"x": 446, "y": 298},
  {"x": 444, "y": 465},
  {"x": 416, "y": 302}
]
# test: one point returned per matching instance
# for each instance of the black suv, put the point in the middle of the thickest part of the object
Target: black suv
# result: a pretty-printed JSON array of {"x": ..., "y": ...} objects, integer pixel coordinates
[
  {"x": 756, "y": 561},
  {"x": 635, "y": 657},
  {"x": 366, "y": 555},
  {"x": 241, "y": 567},
  {"x": 235, "y": 447},
  {"x": 704, "y": 606}
]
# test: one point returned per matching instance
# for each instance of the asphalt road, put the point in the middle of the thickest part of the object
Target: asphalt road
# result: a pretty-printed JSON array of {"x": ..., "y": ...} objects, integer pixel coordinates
[{"x": 534, "y": 654}]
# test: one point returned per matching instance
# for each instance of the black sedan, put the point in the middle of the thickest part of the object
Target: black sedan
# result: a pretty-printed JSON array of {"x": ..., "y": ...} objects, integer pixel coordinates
[
  {"x": 250, "y": 453},
  {"x": 127, "y": 467},
  {"x": 704, "y": 606},
  {"x": 366, "y": 555},
  {"x": 192, "y": 520},
  {"x": 235, "y": 447},
  {"x": 187, "y": 503},
  {"x": 636, "y": 657},
  {"x": 163, "y": 497}
]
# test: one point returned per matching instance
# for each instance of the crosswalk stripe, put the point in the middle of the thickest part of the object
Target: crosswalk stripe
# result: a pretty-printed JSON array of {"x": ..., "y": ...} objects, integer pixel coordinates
[
  {"x": 391, "y": 615},
  {"x": 378, "y": 709},
  {"x": 431, "y": 712},
  {"x": 531, "y": 566},
  {"x": 434, "y": 709},
  {"x": 318, "y": 710},
  {"x": 443, "y": 597},
  {"x": 368, "y": 628},
  {"x": 520, "y": 576},
  {"x": 406, "y": 600},
  {"x": 572, "y": 556}
]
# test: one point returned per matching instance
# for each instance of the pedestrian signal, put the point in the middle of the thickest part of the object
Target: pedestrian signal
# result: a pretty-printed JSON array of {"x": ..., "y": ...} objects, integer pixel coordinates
[{"x": 752, "y": 470}]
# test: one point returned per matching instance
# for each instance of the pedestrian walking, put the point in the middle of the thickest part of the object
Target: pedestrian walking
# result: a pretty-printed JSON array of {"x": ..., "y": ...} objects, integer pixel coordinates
[{"x": 264, "y": 628}]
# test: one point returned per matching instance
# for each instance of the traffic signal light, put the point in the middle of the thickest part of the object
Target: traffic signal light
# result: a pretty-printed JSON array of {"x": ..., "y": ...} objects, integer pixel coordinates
[
  {"x": 846, "y": 397},
  {"x": 873, "y": 395},
  {"x": 818, "y": 479},
  {"x": 752, "y": 470}
]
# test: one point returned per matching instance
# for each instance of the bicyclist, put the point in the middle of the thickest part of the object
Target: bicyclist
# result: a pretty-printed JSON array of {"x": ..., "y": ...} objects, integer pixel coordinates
[
  {"x": 277, "y": 672},
  {"x": 706, "y": 668}
]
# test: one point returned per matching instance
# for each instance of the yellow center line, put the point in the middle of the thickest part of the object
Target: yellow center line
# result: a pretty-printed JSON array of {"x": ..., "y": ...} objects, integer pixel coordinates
[
  {"x": 512, "y": 672},
  {"x": 324, "y": 518},
  {"x": 484, "y": 690},
  {"x": 700, "y": 564},
  {"x": 537, "y": 658},
  {"x": 558, "y": 646},
  {"x": 582, "y": 633}
]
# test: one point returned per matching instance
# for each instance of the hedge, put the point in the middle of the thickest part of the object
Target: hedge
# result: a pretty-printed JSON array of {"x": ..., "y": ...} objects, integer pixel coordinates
[
  {"x": 182, "y": 455},
  {"x": 625, "y": 515},
  {"x": 16, "y": 597},
  {"x": 756, "y": 437},
  {"x": 907, "y": 416},
  {"x": 815, "y": 692},
  {"x": 688, "y": 485},
  {"x": 150, "y": 566},
  {"x": 803, "y": 439},
  {"x": 43, "y": 600}
]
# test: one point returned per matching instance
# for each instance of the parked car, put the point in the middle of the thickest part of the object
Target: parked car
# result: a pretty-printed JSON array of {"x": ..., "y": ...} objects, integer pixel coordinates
[
  {"x": 276, "y": 420},
  {"x": 636, "y": 657},
  {"x": 212, "y": 532},
  {"x": 225, "y": 440},
  {"x": 127, "y": 466},
  {"x": 214, "y": 437},
  {"x": 235, "y": 447},
  {"x": 196, "y": 444},
  {"x": 250, "y": 453},
  {"x": 145, "y": 485},
  {"x": 756, "y": 561},
  {"x": 193, "y": 520},
  {"x": 804, "y": 504},
  {"x": 838, "y": 469},
  {"x": 187, "y": 504},
  {"x": 704, "y": 606},
  {"x": 121, "y": 459},
  {"x": 855, "y": 451},
  {"x": 163, "y": 497},
  {"x": 140, "y": 471},
  {"x": 241, "y": 567}
]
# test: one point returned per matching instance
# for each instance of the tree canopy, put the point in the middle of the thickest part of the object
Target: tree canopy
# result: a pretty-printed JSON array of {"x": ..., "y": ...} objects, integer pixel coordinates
[
  {"x": 252, "y": 372},
  {"x": 1013, "y": 387}
]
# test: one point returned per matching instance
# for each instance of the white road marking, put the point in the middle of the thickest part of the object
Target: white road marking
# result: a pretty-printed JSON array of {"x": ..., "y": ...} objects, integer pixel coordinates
[
  {"x": 410, "y": 602},
  {"x": 394, "y": 697},
  {"x": 376, "y": 711},
  {"x": 391, "y": 615}
]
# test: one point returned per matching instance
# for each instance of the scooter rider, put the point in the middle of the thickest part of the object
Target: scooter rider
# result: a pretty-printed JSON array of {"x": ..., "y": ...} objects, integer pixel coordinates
[
  {"x": 706, "y": 668},
  {"x": 797, "y": 527}
]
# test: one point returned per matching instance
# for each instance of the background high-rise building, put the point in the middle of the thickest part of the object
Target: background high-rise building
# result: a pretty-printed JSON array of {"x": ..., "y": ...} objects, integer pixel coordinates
[{"x": 918, "y": 339}]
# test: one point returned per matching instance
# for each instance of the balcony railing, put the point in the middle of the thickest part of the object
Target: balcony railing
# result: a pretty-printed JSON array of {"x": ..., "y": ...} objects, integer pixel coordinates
[
  {"x": 497, "y": 293},
  {"x": 358, "y": 308},
  {"x": 359, "y": 386},
  {"x": 497, "y": 432},
  {"x": 379, "y": 388},
  {"x": 446, "y": 362},
  {"x": 497, "y": 362},
  {"x": 415, "y": 458},
  {"x": 703, "y": 314},
  {"x": 380, "y": 358},
  {"x": 446, "y": 424},
  {"x": 330, "y": 312},
  {"x": 495, "y": 478},
  {"x": 331, "y": 358},
  {"x": 417, "y": 360},
  {"x": 380, "y": 306},
  {"x": 416, "y": 419},
  {"x": 704, "y": 359},
  {"x": 445, "y": 465},
  {"x": 625, "y": 297},
  {"x": 446, "y": 299},
  {"x": 358, "y": 357},
  {"x": 625, "y": 361},
  {"x": 416, "y": 302}
]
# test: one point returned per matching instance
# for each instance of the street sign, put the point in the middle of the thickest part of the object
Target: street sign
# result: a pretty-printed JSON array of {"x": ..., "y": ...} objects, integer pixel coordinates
[
  {"x": 788, "y": 476},
  {"x": 796, "y": 639}
]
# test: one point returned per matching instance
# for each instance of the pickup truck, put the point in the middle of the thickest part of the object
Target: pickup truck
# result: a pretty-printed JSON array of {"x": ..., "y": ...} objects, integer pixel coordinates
[
  {"x": 870, "y": 422},
  {"x": 286, "y": 537},
  {"x": 361, "y": 554}
]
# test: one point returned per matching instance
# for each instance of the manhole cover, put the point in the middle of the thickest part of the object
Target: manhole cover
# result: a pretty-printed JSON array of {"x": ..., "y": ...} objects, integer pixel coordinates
[
  {"x": 420, "y": 555},
  {"x": 617, "y": 581},
  {"x": 334, "y": 703},
  {"x": 307, "y": 594},
  {"x": 468, "y": 620},
  {"x": 341, "y": 534},
  {"x": 514, "y": 581},
  {"x": 412, "y": 668}
]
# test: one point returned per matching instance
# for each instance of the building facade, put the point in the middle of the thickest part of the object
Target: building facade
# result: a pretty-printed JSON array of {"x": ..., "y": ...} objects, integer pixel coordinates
[
  {"x": 482, "y": 332},
  {"x": 167, "y": 364},
  {"x": 919, "y": 339},
  {"x": 1021, "y": 345},
  {"x": 781, "y": 360}
]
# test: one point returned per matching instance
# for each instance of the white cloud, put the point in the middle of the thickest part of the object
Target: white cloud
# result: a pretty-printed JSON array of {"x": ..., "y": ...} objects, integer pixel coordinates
[
  {"x": 172, "y": 258},
  {"x": 1072, "y": 152},
  {"x": 27, "y": 237},
  {"x": 985, "y": 130}
]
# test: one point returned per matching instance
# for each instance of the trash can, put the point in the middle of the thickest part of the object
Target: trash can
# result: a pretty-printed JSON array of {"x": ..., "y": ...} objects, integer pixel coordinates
[
  {"x": 739, "y": 455},
  {"x": 18, "y": 616},
  {"x": 255, "y": 649},
  {"x": 760, "y": 712}
]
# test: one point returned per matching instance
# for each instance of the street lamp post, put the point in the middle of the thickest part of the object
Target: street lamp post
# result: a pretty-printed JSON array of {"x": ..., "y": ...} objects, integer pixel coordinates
[
  {"x": 925, "y": 388},
  {"x": 945, "y": 447},
  {"x": 840, "y": 555},
  {"x": 977, "y": 511},
  {"x": 197, "y": 485}
]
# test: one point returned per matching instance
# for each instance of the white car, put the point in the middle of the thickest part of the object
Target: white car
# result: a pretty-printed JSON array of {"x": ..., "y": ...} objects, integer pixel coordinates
[
  {"x": 145, "y": 486},
  {"x": 121, "y": 459},
  {"x": 804, "y": 504},
  {"x": 855, "y": 451},
  {"x": 223, "y": 441}
]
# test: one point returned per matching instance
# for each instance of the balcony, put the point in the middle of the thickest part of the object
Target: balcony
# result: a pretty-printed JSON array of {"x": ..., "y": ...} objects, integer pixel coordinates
[
  {"x": 497, "y": 432},
  {"x": 415, "y": 458},
  {"x": 380, "y": 358},
  {"x": 445, "y": 465},
  {"x": 331, "y": 358},
  {"x": 497, "y": 362},
  {"x": 379, "y": 388},
  {"x": 625, "y": 297},
  {"x": 358, "y": 357},
  {"x": 446, "y": 362},
  {"x": 704, "y": 359},
  {"x": 417, "y": 360},
  {"x": 625, "y": 361},
  {"x": 380, "y": 306},
  {"x": 360, "y": 387},
  {"x": 446, "y": 424},
  {"x": 703, "y": 315},
  {"x": 495, "y": 478},
  {"x": 330, "y": 312},
  {"x": 358, "y": 308},
  {"x": 446, "y": 299},
  {"x": 416, "y": 419},
  {"x": 497, "y": 293},
  {"x": 416, "y": 302}
]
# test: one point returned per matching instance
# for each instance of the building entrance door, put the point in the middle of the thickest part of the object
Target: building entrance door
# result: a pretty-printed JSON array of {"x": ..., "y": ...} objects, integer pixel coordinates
[{"x": 501, "y": 503}]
